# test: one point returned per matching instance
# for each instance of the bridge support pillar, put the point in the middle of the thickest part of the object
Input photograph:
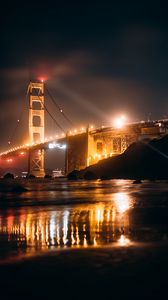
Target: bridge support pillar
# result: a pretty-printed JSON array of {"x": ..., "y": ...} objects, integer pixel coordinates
[
  {"x": 36, "y": 127},
  {"x": 36, "y": 163}
]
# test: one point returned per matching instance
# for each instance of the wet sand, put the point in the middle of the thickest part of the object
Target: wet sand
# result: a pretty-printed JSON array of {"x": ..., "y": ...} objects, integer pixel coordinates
[{"x": 138, "y": 272}]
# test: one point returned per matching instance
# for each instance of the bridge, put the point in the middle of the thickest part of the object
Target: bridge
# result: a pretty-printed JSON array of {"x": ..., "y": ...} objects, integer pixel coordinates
[{"x": 82, "y": 147}]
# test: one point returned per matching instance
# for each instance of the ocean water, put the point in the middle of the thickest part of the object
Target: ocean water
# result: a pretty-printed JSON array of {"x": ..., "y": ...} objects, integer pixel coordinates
[{"x": 61, "y": 214}]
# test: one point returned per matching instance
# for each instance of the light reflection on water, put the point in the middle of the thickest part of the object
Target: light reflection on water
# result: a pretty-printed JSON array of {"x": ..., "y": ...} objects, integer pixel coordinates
[
  {"x": 71, "y": 226},
  {"x": 113, "y": 213}
]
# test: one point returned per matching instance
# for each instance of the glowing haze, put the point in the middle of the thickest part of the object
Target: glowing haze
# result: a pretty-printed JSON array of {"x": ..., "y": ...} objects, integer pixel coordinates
[{"x": 98, "y": 60}]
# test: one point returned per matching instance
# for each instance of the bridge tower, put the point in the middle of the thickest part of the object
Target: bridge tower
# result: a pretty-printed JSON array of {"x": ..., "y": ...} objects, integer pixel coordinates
[{"x": 36, "y": 128}]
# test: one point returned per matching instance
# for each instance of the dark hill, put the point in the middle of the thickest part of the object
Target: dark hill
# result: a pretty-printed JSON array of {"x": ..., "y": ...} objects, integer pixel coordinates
[{"x": 141, "y": 160}]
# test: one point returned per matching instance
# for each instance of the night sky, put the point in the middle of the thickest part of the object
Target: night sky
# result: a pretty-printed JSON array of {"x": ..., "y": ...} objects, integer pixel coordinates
[{"x": 99, "y": 60}]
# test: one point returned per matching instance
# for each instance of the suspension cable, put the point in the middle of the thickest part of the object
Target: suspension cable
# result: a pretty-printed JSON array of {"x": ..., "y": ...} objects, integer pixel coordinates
[
  {"x": 58, "y": 106},
  {"x": 58, "y": 125}
]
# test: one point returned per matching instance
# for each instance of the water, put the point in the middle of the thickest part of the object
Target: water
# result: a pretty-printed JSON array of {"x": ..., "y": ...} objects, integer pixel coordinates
[{"x": 62, "y": 214}]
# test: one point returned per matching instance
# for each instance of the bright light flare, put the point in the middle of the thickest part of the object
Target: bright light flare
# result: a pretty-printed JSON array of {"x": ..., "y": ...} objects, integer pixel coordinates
[
  {"x": 42, "y": 79},
  {"x": 119, "y": 122}
]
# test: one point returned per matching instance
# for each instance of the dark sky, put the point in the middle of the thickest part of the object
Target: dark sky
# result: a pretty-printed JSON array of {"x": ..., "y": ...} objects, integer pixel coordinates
[{"x": 100, "y": 59}]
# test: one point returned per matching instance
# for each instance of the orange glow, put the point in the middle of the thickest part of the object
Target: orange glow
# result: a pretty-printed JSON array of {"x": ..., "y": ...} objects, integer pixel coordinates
[
  {"x": 42, "y": 78},
  {"x": 119, "y": 122},
  {"x": 63, "y": 228},
  {"x": 9, "y": 160},
  {"x": 21, "y": 153}
]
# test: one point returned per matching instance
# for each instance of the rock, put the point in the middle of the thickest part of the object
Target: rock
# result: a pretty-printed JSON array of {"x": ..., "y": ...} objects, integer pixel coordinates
[
  {"x": 89, "y": 175},
  {"x": 8, "y": 176},
  {"x": 74, "y": 175},
  {"x": 145, "y": 160}
]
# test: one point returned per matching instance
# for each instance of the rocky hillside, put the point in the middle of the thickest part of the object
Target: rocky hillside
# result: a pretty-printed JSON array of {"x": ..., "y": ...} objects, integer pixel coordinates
[{"x": 141, "y": 160}]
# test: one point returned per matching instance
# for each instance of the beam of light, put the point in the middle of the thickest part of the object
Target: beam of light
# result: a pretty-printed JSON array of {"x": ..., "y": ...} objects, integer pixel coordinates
[
  {"x": 154, "y": 149},
  {"x": 80, "y": 100}
]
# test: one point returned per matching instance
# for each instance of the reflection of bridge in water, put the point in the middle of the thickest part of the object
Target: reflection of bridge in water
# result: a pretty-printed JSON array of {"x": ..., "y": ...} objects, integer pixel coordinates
[
  {"x": 79, "y": 226},
  {"x": 83, "y": 147}
]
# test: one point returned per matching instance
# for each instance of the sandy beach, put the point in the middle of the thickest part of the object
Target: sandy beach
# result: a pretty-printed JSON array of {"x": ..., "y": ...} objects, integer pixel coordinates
[{"x": 138, "y": 272}]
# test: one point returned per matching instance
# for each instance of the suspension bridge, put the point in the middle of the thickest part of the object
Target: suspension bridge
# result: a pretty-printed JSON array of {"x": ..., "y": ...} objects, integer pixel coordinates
[{"x": 83, "y": 147}]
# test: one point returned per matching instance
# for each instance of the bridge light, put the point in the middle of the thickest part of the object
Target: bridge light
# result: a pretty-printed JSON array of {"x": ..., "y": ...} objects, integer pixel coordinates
[
  {"x": 9, "y": 160},
  {"x": 22, "y": 153},
  {"x": 120, "y": 122},
  {"x": 51, "y": 145},
  {"x": 42, "y": 79}
]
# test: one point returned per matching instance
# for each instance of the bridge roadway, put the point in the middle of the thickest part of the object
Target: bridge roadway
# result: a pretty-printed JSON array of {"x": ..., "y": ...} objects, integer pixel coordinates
[
  {"x": 57, "y": 143},
  {"x": 88, "y": 146}
]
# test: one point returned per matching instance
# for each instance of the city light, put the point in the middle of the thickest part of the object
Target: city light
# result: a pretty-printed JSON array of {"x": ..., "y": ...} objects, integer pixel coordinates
[{"x": 56, "y": 145}]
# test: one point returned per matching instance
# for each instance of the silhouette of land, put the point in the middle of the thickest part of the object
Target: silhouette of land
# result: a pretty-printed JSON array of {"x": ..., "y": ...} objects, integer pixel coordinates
[{"x": 141, "y": 160}]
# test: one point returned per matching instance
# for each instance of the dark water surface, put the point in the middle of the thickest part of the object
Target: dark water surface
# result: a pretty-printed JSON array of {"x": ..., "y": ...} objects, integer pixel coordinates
[{"x": 62, "y": 214}]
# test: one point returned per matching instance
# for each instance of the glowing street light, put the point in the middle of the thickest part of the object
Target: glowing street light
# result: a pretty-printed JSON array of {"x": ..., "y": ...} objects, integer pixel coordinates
[{"x": 120, "y": 122}]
